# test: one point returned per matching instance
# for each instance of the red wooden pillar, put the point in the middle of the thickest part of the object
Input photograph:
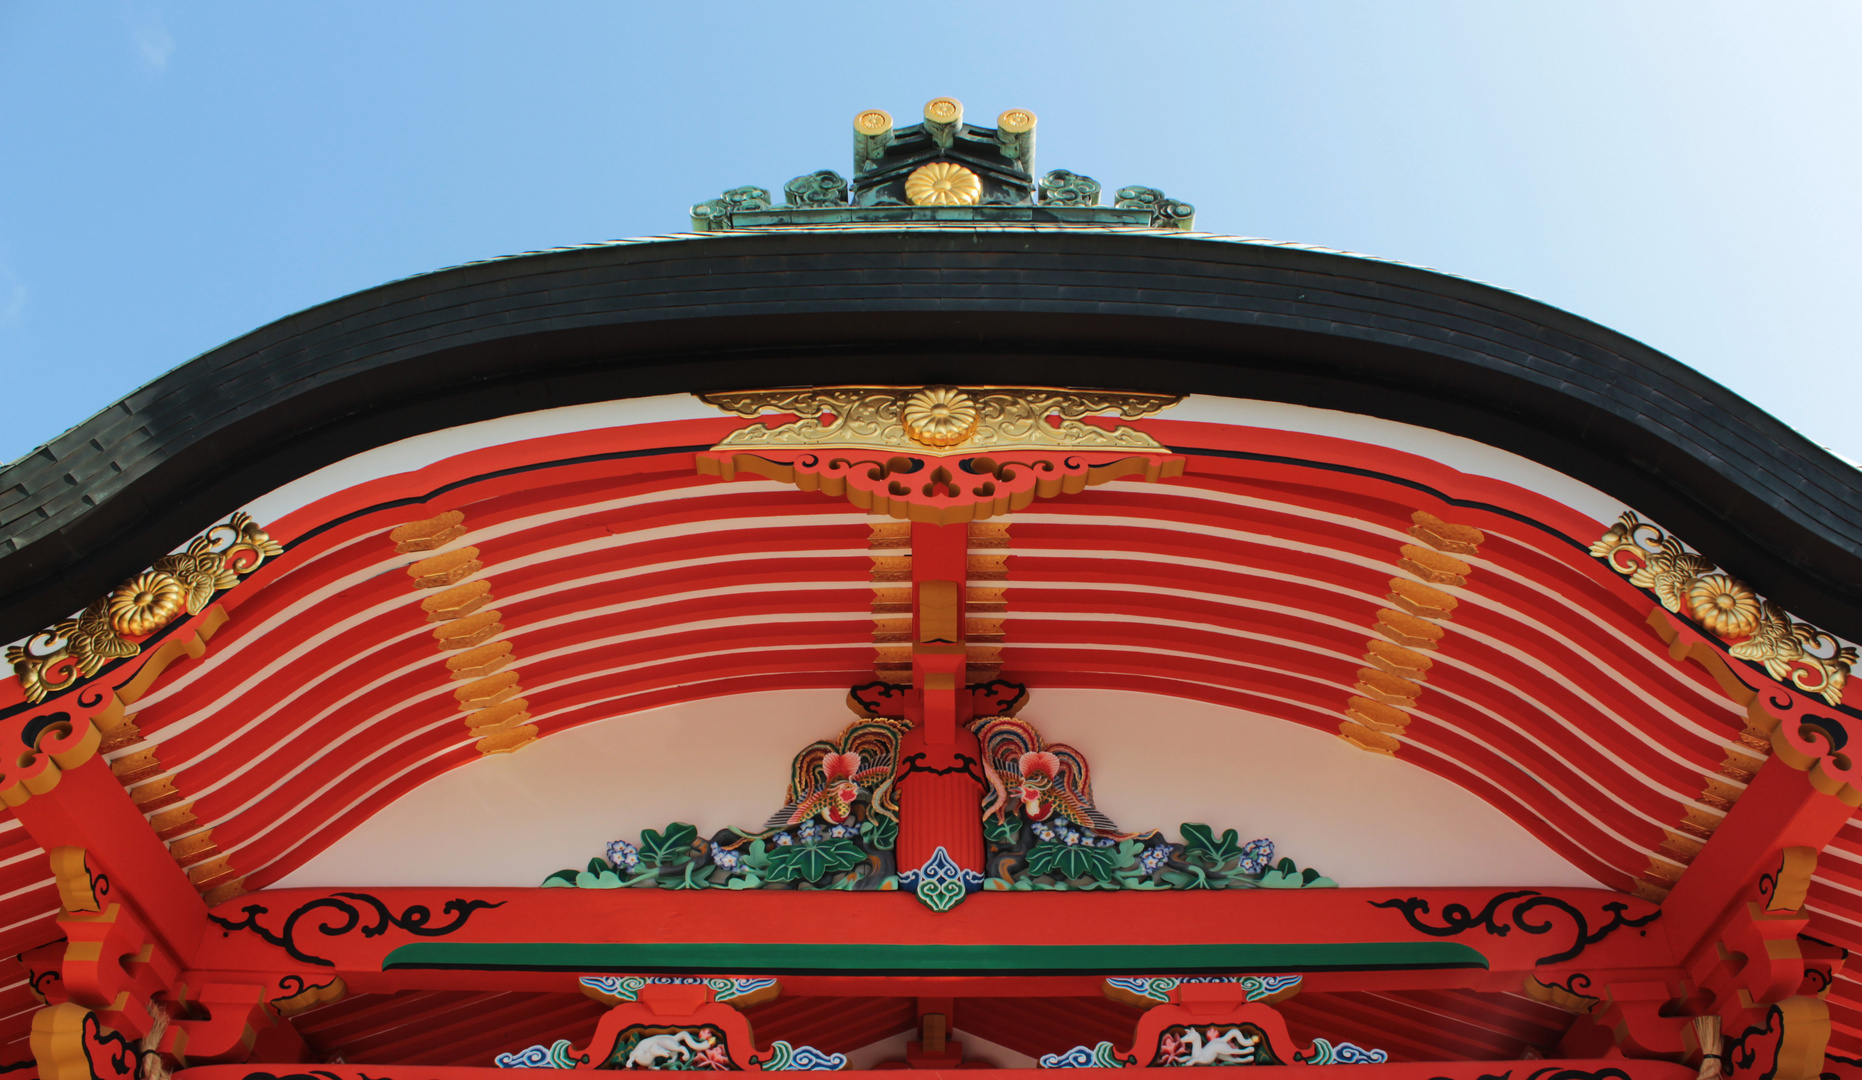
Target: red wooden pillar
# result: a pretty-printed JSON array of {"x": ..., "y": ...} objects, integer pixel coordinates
[{"x": 940, "y": 847}]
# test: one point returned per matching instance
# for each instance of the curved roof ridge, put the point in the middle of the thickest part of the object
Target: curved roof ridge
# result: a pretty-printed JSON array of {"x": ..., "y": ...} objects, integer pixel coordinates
[
  {"x": 979, "y": 227},
  {"x": 1134, "y": 307}
]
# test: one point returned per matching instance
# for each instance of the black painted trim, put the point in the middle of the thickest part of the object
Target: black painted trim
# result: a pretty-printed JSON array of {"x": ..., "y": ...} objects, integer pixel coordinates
[{"x": 1141, "y": 312}]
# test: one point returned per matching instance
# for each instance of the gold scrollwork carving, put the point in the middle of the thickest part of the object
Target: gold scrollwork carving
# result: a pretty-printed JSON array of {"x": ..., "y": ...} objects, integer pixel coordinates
[
  {"x": 109, "y": 629},
  {"x": 1758, "y": 630},
  {"x": 918, "y": 420}
]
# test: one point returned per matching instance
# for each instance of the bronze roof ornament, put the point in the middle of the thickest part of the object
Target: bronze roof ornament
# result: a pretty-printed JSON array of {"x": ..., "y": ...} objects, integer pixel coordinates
[{"x": 942, "y": 171}]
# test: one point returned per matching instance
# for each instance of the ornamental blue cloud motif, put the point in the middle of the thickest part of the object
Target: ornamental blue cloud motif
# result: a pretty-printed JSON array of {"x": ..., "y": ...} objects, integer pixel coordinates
[
  {"x": 1158, "y": 987},
  {"x": 940, "y": 883},
  {"x": 627, "y": 987},
  {"x": 554, "y": 1056},
  {"x": 1325, "y": 1053},
  {"x": 1101, "y": 1056},
  {"x": 786, "y": 1057}
]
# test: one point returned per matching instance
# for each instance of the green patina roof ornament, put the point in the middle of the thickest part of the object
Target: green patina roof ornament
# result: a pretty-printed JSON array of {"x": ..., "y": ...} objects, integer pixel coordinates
[{"x": 939, "y": 171}]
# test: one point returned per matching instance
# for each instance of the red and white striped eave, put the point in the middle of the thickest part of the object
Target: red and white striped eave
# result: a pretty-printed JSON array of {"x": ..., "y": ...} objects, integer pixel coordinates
[{"x": 626, "y": 581}]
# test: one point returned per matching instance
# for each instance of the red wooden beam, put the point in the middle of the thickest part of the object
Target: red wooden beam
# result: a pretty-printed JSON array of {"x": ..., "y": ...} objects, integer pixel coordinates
[
  {"x": 395, "y": 939},
  {"x": 1612, "y": 1069},
  {"x": 87, "y": 808}
]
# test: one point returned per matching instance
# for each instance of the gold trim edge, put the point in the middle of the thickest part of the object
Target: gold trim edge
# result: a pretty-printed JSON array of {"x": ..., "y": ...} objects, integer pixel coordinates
[{"x": 940, "y": 419}]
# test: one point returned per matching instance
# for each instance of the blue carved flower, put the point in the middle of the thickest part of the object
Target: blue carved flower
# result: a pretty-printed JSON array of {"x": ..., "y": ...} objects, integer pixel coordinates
[
  {"x": 844, "y": 831},
  {"x": 810, "y": 831},
  {"x": 623, "y": 855},
  {"x": 782, "y": 838},
  {"x": 729, "y": 860},
  {"x": 1256, "y": 856},
  {"x": 1043, "y": 831},
  {"x": 1069, "y": 834},
  {"x": 1153, "y": 858},
  {"x": 1105, "y": 841}
]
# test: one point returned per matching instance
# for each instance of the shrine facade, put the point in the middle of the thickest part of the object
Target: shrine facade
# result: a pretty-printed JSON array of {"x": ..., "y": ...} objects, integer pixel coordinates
[{"x": 933, "y": 619}]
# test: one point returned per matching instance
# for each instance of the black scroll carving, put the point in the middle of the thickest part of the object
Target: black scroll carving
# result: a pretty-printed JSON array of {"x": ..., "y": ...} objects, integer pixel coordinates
[
  {"x": 1522, "y": 904},
  {"x": 417, "y": 920}
]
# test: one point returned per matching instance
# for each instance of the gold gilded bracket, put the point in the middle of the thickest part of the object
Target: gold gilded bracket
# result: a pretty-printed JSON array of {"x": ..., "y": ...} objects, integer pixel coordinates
[
  {"x": 918, "y": 420},
  {"x": 940, "y": 454}
]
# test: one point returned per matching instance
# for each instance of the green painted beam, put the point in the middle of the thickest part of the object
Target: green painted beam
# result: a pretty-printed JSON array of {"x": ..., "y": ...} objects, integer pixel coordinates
[{"x": 850, "y": 958}]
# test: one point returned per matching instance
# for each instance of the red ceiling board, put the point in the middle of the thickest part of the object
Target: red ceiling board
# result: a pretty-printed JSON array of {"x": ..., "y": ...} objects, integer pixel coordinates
[
  {"x": 1037, "y": 1026},
  {"x": 834, "y": 1025}
]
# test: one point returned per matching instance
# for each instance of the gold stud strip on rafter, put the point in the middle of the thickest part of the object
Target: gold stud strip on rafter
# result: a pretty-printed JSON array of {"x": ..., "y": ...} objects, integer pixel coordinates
[
  {"x": 986, "y": 598},
  {"x": 1397, "y": 660},
  {"x": 468, "y": 629},
  {"x": 985, "y": 566},
  {"x": 1754, "y": 629}
]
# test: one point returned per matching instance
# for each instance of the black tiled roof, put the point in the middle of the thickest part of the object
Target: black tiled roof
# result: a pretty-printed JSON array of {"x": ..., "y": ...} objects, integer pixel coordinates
[{"x": 1132, "y": 309}]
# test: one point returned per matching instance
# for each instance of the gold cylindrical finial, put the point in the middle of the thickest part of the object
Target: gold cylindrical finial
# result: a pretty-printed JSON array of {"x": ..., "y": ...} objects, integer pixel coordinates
[
  {"x": 872, "y": 134},
  {"x": 1015, "y": 136},
  {"x": 1016, "y": 122},
  {"x": 873, "y": 122},
  {"x": 944, "y": 110}
]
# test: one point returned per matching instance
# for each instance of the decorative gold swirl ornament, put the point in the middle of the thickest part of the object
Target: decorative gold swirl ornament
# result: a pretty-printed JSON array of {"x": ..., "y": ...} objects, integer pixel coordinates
[
  {"x": 943, "y": 183},
  {"x": 940, "y": 416},
  {"x": 146, "y": 603}
]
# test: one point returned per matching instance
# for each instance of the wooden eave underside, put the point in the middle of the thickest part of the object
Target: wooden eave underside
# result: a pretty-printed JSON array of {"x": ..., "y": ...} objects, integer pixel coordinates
[{"x": 625, "y": 581}]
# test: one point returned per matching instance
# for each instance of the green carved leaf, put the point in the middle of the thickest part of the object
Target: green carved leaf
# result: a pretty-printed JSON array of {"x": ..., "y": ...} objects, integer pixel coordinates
[
  {"x": 670, "y": 848},
  {"x": 812, "y": 862},
  {"x": 881, "y": 834},
  {"x": 1002, "y": 830},
  {"x": 1073, "y": 860},
  {"x": 598, "y": 879},
  {"x": 561, "y": 879},
  {"x": 1200, "y": 841},
  {"x": 1285, "y": 875},
  {"x": 691, "y": 879},
  {"x": 1193, "y": 878}
]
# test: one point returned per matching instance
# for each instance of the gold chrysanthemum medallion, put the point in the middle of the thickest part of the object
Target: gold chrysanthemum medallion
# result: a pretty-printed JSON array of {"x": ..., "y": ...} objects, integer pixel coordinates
[
  {"x": 146, "y": 603},
  {"x": 940, "y": 416},
  {"x": 1725, "y": 606},
  {"x": 943, "y": 183}
]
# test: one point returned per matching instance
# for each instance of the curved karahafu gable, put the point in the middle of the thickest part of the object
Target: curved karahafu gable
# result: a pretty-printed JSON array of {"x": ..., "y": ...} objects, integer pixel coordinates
[
  {"x": 1129, "y": 309},
  {"x": 928, "y": 444}
]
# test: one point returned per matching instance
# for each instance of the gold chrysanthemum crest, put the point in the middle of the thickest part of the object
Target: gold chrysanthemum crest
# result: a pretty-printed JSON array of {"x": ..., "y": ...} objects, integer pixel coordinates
[
  {"x": 1685, "y": 582},
  {"x": 146, "y": 603},
  {"x": 55, "y": 658},
  {"x": 943, "y": 183},
  {"x": 940, "y": 416}
]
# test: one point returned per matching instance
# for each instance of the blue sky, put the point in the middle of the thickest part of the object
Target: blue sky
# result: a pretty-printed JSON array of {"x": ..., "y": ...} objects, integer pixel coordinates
[{"x": 173, "y": 175}]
